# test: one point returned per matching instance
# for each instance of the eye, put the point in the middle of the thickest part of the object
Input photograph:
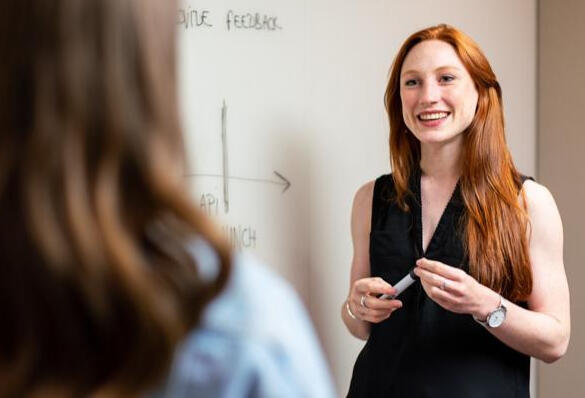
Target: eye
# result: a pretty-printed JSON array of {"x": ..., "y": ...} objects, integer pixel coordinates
[
  {"x": 446, "y": 78},
  {"x": 410, "y": 83}
]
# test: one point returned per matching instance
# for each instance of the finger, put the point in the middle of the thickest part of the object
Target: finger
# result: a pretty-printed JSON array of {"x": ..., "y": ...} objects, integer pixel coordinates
[
  {"x": 365, "y": 313},
  {"x": 454, "y": 288},
  {"x": 432, "y": 279},
  {"x": 374, "y": 286},
  {"x": 431, "y": 287},
  {"x": 439, "y": 294},
  {"x": 360, "y": 288},
  {"x": 376, "y": 316},
  {"x": 444, "y": 298},
  {"x": 379, "y": 286},
  {"x": 382, "y": 304},
  {"x": 379, "y": 319},
  {"x": 440, "y": 268}
]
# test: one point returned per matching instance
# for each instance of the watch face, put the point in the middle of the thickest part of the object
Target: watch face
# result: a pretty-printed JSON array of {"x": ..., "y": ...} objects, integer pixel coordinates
[{"x": 496, "y": 318}]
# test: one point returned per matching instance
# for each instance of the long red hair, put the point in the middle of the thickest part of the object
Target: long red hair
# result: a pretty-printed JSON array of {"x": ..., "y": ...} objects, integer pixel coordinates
[{"x": 495, "y": 223}]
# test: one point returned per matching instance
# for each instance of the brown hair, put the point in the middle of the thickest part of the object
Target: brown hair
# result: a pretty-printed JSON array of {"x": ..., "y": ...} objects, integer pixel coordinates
[
  {"x": 97, "y": 286},
  {"x": 495, "y": 225}
]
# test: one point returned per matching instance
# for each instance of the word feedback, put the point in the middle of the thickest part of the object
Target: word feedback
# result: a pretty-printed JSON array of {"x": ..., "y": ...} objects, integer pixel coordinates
[
  {"x": 193, "y": 18},
  {"x": 254, "y": 21}
]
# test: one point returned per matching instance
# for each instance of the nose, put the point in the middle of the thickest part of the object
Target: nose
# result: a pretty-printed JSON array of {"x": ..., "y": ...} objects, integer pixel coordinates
[{"x": 430, "y": 93}]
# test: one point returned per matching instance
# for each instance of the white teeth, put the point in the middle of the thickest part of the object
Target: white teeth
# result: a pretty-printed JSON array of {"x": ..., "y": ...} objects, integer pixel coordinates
[{"x": 433, "y": 116}]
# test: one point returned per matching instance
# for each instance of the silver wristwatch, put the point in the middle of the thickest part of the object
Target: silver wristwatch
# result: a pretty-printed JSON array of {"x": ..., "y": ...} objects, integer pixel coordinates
[{"x": 496, "y": 317}]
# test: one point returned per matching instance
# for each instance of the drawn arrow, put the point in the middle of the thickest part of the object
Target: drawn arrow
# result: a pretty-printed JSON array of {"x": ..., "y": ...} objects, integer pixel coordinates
[
  {"x": 286, "y": 182},
  {"x": 282, "y": 180},
  {"x": 225, "y": 176}
]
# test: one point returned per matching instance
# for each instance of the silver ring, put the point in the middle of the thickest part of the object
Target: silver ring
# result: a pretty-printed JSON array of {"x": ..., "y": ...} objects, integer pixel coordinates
[
  {"x": 363, "y": 301},
  {"x": 443, "y": 284}
]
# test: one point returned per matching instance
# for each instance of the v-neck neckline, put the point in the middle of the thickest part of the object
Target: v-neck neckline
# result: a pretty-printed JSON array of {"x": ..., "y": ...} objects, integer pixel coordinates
[{"x": 438, "y": 233}]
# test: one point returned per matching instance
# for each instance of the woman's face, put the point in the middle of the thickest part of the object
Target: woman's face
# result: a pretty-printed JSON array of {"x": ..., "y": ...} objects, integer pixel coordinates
[{"x": 438, "y": 96}]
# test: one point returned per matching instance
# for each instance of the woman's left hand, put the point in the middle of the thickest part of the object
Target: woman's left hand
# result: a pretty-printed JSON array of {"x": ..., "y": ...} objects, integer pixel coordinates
[{"x": 454, "y": 289}]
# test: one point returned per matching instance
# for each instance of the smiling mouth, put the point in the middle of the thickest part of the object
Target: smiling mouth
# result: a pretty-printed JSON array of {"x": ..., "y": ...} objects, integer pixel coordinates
[{"x": 427, "y": 117}]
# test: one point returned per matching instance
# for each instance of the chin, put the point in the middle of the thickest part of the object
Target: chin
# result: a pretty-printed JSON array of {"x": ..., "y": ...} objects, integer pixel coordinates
[{"x": 433, "y": 137}]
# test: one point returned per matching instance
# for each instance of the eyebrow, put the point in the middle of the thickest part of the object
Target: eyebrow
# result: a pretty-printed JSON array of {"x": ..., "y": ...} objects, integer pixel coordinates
[{"x": 440, "y": 68}]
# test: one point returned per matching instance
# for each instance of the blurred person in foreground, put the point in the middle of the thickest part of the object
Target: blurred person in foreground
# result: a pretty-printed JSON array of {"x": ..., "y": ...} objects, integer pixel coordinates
[{"x": 112, "y": 282}]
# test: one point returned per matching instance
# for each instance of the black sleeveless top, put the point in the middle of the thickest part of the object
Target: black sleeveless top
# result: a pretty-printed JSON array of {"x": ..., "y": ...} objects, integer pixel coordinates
[{"x": 423, "y": 350}]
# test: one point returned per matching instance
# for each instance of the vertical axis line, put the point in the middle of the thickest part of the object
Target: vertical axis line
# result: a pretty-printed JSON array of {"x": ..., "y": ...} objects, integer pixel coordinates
[{"x": 226, "y": 198}]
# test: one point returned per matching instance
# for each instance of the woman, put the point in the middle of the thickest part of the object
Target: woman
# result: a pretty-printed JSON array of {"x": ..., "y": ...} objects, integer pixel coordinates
[
  {"x": 106, "y": 264},
  {"x": 486, "y": 242}
]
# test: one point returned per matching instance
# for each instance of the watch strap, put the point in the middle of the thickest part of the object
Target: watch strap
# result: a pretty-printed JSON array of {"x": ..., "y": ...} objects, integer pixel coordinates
[{"x": 498, "y": 308}]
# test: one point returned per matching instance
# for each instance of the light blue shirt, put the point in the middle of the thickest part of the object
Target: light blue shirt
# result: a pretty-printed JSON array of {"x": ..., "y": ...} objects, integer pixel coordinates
[{"x": 255, "y": 340}]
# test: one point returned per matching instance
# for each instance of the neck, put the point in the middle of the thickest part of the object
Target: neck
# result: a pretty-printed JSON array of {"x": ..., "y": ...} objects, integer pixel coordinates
[{"x": 441, "y": 162}]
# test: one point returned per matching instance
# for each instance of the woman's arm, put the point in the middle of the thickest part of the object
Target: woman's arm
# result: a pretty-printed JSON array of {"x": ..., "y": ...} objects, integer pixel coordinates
[
  {"x": 360, "y": 281},
  {"x": 542, "y": 330}
]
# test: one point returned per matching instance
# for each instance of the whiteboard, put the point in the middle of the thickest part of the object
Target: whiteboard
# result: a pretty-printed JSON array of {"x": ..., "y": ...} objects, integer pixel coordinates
[
  {"x": 278, "y": 92},
  {"x": 242, "y": 84}
]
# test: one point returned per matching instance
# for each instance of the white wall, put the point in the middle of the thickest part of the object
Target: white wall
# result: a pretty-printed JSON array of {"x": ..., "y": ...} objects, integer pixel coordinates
[{"x": 307, "y": 100}]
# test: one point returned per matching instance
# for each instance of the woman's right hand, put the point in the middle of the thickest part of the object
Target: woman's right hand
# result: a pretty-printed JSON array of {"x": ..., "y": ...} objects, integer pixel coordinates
[{"x": 364, "y": 302}]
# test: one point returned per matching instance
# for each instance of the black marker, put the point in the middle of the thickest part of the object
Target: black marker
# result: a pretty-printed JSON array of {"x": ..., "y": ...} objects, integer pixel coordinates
[{"x": 401, "y": 286}]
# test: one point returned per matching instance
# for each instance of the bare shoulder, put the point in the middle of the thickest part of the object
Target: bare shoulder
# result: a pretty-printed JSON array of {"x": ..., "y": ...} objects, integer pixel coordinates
[
  {"x": 539, "y": 200},
  {"x": 546, "y": 228},
  {"x": 361, "y": 213},
  {"x": 363, "y": 196}
]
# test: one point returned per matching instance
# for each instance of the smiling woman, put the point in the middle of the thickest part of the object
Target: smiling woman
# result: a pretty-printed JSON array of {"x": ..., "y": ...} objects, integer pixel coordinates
[
  {"x": 438, "y": 95},
  {"x": 485, "y": 241}
]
